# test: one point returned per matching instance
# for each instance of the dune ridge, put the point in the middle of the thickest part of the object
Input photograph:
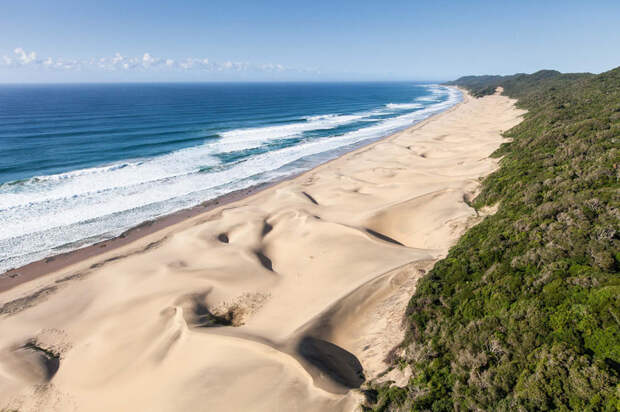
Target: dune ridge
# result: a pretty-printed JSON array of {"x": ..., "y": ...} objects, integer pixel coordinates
[{"x": 285, "y": 300}]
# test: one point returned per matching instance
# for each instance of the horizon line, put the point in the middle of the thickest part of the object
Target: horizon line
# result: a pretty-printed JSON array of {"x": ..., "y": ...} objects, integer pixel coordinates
[{"x": 222, "y": 82}]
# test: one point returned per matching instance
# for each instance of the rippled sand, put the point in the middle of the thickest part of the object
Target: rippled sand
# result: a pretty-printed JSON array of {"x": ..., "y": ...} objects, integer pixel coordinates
[{"x": 285, "y": 300}]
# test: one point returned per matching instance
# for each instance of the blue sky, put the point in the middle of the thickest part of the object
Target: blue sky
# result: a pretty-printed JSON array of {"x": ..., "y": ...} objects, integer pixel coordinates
[{"x": 212, "y": 40}]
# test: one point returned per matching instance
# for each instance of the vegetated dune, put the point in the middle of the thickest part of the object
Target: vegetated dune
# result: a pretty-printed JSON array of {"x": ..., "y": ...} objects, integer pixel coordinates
[
  {"x": 523, "y": 313},
  {"x": 283, "y": 301}
]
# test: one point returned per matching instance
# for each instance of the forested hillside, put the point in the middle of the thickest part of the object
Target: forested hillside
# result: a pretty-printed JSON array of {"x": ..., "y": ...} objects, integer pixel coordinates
[{"x": 524, "y": 312}]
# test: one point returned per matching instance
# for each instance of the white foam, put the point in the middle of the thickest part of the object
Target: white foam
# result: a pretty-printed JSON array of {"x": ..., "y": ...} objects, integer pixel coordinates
[
  {"x": 404, "y": 106},
  {"x": 243, "y": 139},
  {"x": 183, "y": 162},
  {"x": 90, "y": 181}
]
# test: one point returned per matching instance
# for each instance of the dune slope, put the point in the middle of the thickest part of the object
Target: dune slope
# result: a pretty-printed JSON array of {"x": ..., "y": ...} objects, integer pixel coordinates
[{"x": 282, "y": 301}]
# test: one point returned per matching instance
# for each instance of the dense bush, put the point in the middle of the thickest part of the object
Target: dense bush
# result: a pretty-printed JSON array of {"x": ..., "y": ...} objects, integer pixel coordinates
[{"x": 524, "y": 312}]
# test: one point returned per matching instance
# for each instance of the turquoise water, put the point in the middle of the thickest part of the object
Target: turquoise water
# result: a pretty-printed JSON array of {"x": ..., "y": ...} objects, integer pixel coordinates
[{"x": 82, "y": 163}]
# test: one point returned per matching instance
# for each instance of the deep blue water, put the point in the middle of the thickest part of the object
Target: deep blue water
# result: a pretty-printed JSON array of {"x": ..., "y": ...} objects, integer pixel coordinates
[{"x": 81, "y": 163}]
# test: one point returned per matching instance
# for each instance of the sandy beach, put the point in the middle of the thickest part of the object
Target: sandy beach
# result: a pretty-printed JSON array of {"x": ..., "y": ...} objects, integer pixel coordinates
[{"x": 283, "y": 300}]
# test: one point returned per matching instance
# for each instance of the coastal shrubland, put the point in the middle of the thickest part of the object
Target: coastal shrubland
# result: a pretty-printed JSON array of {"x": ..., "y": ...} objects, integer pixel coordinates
[{"x": 524, "y": 312}]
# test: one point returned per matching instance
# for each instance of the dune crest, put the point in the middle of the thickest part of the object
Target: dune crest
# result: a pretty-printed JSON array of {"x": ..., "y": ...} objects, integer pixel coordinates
[{"x": 283, "y": 301}]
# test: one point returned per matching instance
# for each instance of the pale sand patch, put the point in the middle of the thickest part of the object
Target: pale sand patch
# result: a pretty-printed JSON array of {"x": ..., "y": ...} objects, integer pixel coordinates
[{"x": 328, "y": 258}]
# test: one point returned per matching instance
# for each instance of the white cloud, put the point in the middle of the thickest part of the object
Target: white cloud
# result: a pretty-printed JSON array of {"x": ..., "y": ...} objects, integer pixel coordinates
[
  {"x": 117, "y": 58},
  {"x": 23, "y": 57},
  {"x": 272, "y": 67},
  {"x": 148, "y": 60},
  {"x": 118, "y": 62}
]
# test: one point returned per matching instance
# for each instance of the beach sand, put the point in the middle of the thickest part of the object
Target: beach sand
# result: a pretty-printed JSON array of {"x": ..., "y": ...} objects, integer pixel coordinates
[{"x": 285, "y": 300}]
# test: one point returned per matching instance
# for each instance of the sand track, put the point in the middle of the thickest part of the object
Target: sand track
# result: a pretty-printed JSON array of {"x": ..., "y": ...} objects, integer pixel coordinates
[{"x": 281, "y": 301}]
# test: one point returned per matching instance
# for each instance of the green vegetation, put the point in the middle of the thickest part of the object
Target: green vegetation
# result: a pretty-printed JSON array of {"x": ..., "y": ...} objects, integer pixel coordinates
[{"x": 524, "y": 313}]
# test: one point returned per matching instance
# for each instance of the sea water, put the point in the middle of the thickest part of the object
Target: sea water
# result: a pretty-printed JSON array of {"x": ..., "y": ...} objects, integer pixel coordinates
[{"x": 83, "y": 163}]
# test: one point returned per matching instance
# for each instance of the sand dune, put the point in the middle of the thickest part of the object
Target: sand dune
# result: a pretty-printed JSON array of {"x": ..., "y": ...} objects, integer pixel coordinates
[{"x": 282, "y": 301}]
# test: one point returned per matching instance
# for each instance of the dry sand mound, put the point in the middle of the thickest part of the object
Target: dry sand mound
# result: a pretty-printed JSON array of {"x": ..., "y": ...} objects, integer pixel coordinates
[{"x": 282, "y": 301}]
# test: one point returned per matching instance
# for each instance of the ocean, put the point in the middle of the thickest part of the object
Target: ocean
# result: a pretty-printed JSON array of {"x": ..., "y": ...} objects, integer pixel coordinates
[{"x": 83, "y": 163}]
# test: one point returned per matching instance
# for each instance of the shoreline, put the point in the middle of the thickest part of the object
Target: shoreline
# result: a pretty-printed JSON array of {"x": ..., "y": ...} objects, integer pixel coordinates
[
  {"x": 57, "y": 262},
  {"x": 53, "y": 263},
  {"x": 304, "y": 283}
]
